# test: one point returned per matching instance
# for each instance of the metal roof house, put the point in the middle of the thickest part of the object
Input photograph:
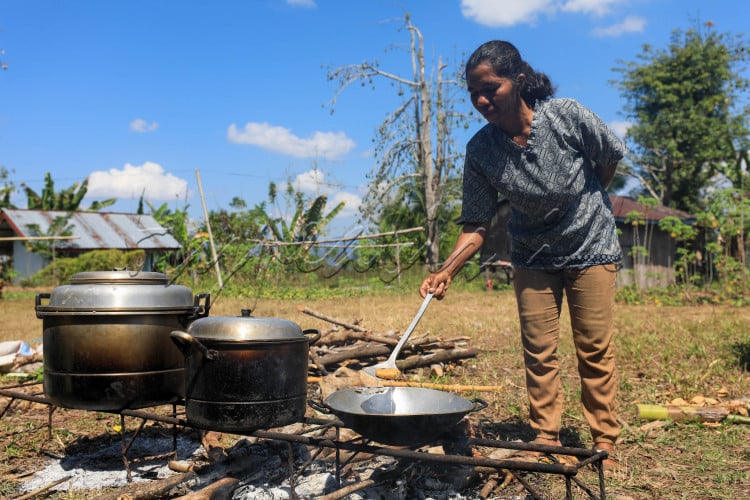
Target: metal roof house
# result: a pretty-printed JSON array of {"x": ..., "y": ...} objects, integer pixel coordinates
[
  {"x": 655, "y": 271},
  {"x": 89, "y": 231}
]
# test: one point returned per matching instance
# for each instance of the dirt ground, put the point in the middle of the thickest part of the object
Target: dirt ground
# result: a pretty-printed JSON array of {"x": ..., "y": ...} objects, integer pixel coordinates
[{"x": 663, "y": 353}]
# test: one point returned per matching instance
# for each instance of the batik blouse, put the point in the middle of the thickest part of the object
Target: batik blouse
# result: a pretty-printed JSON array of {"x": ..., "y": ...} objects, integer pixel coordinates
[{"x": 561, "y": 215}]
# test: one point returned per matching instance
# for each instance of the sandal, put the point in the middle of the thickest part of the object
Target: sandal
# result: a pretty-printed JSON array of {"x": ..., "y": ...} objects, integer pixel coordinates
[
  {"x": 611, "y": 463},
  {"x": 538, "y": 456}
]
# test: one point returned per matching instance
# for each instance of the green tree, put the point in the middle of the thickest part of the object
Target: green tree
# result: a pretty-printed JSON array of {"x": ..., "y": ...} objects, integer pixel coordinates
[
  {"x": 7, "y": 190},
  {"x": 68, "y": 199},
  {"x": 176, "y": 223},
  {"x": 414, "y": 145},
  {"x": 688, "y": 119}
]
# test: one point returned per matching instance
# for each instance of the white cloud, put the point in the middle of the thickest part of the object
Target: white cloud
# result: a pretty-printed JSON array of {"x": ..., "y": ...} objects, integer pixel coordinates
[
  {"x": 596, "y": 7},
  {"x": 497, "y": 13},
  {"x": 502, "y": 13},
  {"x": 141, "y": 126},
  {"x": 631, "y": 24},
  {"x": 302, "y": 3},
  {"x": 313, "y": 183},
  {"x": 620, "y": 128},
  {"x": 328, "y": 145},
  {"x": 351, "y": 206},
  {"x": 148, "y": 179}
]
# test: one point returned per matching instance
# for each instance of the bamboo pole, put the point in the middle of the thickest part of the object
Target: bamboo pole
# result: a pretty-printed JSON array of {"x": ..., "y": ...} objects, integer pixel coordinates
[
  {"x": 210, "y": 235},
  {"x": 690, "y": 414}
]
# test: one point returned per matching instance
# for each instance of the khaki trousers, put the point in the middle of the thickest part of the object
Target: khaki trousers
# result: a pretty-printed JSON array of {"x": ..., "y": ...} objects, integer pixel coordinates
[{"x": 590, "y": 294}]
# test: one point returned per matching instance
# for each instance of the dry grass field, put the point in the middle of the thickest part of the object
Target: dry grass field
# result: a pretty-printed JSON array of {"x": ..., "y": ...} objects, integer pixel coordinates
[{"x": 664, "y": 353}]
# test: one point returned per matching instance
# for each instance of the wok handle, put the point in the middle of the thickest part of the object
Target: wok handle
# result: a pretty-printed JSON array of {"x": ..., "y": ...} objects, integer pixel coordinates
[
  {"x": 479, "y": 404},
  {"x": 318, "y": 406}
]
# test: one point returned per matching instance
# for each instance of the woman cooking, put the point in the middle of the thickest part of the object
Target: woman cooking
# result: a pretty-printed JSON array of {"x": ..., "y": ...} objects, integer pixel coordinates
[{"x": 552, "y": 158}]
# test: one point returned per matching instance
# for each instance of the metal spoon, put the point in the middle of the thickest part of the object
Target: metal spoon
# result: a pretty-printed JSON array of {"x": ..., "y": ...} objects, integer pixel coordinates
[{"x": 388, "y": 369}]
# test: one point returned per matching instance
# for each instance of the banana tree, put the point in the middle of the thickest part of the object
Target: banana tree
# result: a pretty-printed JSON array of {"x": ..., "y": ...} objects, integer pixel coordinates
[{"x": 68, "y": 199}]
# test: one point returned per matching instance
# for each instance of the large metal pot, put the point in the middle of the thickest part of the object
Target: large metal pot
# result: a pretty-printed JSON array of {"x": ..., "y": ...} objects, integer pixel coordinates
[
  {"x": 399, "y": 416},
  {"x": 106, "y": 339},
  {"x": 244, "y": 373}
]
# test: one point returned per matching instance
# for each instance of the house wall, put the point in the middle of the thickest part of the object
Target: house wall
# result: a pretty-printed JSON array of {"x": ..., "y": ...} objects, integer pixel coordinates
[
  {"x": 656, "y": 270},
  {"x": 26, "y": 263},
  {"x": 653, "y": 270}
]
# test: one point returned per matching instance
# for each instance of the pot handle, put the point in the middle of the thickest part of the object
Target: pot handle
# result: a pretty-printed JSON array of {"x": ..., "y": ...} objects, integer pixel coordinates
[
  {"x": 314, "y": 333},
  {"x": 319, "y": 406},
  {"x": 479, "y": 404},
  {"x": 38, "y": 303},
  {"x": 185, "y": 342},
  {"x": 198, "y": 310}
]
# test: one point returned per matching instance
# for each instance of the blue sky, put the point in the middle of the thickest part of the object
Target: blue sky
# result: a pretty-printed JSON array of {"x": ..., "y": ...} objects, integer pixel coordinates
[{"x": 137, "y": 95}]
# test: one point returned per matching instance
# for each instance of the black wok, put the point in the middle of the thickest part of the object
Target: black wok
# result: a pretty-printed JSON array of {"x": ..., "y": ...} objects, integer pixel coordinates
[{"x": 400, "y": 416}]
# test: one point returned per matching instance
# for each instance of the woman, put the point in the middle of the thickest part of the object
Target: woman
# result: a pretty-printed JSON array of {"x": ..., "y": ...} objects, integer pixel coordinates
[{"x": 552, "y": 159}]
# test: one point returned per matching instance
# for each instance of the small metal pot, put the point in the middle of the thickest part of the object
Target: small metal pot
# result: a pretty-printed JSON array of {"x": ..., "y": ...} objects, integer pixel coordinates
[
  {"x": 399, "y": 416},
  {"x": 106, "y": 339},
  {"x": 244, "y": 373}
]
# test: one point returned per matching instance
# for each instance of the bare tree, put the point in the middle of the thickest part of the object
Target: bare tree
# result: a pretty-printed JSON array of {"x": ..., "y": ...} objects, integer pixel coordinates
[{"x": 413, "y": 145}]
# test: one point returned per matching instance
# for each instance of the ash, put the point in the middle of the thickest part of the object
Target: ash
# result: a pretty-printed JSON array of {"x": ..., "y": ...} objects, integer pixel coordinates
[
  {"x": 102, "y": 466},
  {"x": 270, "y": 470}
]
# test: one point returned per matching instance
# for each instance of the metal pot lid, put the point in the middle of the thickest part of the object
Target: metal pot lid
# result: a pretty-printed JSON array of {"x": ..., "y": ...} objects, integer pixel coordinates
[
  {"x": 242, "y": 328},
  {"x": 124, "y": 290}
]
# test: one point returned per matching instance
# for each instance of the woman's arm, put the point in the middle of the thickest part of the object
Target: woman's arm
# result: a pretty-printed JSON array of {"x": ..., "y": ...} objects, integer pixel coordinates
[{"x": 469, "y": 241}]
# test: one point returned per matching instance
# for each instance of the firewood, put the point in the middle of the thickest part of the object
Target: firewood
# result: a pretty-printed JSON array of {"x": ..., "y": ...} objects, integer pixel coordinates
[
  {"x": 348, "y": 490},
  {"x": 218, "y": 490},
  {"x": 150, "y": 490},
  {"x": 440, "y": 356},
  {"x": 315, "y": 314},
  {"x": 357, "y": 352},
  {"x": 348, "y": 336}
]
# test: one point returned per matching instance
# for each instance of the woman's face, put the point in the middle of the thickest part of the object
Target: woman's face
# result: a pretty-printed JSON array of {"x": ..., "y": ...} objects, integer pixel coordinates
[{"x": 495, "y": 97}]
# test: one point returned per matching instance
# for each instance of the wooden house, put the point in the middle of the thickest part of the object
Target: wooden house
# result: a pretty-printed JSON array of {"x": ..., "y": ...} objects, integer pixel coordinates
[{"x": 654, "y": 269}]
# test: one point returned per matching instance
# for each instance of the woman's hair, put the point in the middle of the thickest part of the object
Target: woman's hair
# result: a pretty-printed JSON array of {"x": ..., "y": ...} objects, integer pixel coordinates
[{"x": 505, "y": 60}]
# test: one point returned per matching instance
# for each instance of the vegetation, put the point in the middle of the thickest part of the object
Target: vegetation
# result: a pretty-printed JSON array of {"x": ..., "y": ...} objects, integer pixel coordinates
[
  {"x": 65, "y": 200},
  {"x": 664, "y": 352},
  {"x": 414, "y": 145},
  {"x": 100, "y": 260},
  {"x": 689, "y": 123}
]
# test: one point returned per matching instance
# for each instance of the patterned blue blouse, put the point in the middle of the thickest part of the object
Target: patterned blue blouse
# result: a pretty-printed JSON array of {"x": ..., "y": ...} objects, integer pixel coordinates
[{"x": 561, "y": 215}]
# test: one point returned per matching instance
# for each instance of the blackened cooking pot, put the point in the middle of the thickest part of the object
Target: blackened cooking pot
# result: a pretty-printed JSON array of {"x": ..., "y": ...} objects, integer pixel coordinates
[
  {"x": 107, "y": 339},
  {"x": 244, "y": 373},
  {"x": 399, "y": 416}
]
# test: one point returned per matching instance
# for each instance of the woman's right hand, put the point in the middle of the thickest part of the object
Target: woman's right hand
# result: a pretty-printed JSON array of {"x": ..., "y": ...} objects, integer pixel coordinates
[{"x": 436, "y": 283}]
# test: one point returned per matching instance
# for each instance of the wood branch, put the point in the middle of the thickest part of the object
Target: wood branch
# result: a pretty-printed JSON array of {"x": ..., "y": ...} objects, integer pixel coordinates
[
  {"x": 218, "y": 490},
  {"x": 357, "y": 352},
  {"x": 315, "y": 314},
  {"x": 315, "y": 360},
  {"x": 43, "y": 489},
  {"x": 151, "y": 490},
  {"x": 347, "y": 336},
  {"x": 348, "y": 490},
  {"x": 440, "y": 356}
]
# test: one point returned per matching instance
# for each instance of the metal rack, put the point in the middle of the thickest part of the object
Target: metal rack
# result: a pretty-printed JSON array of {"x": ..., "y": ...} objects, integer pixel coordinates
[{"x": 516, "y": 467}]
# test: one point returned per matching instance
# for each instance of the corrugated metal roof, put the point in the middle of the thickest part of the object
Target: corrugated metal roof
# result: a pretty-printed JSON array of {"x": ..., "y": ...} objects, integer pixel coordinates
[
  {"x": 622, "y": 206},
  {"x": 94, "y": 230}
]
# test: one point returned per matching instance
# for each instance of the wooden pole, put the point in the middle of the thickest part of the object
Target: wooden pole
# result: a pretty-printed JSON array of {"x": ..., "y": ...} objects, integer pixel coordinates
[{"x": 210, "y": 235}]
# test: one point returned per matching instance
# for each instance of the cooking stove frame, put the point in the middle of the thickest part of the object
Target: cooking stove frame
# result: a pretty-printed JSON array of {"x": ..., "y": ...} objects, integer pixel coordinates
[{"x": 517, "y": 468}]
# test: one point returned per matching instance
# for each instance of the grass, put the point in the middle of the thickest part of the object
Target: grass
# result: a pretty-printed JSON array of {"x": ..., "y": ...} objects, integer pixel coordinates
[{"x": 663, "y": 352}]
